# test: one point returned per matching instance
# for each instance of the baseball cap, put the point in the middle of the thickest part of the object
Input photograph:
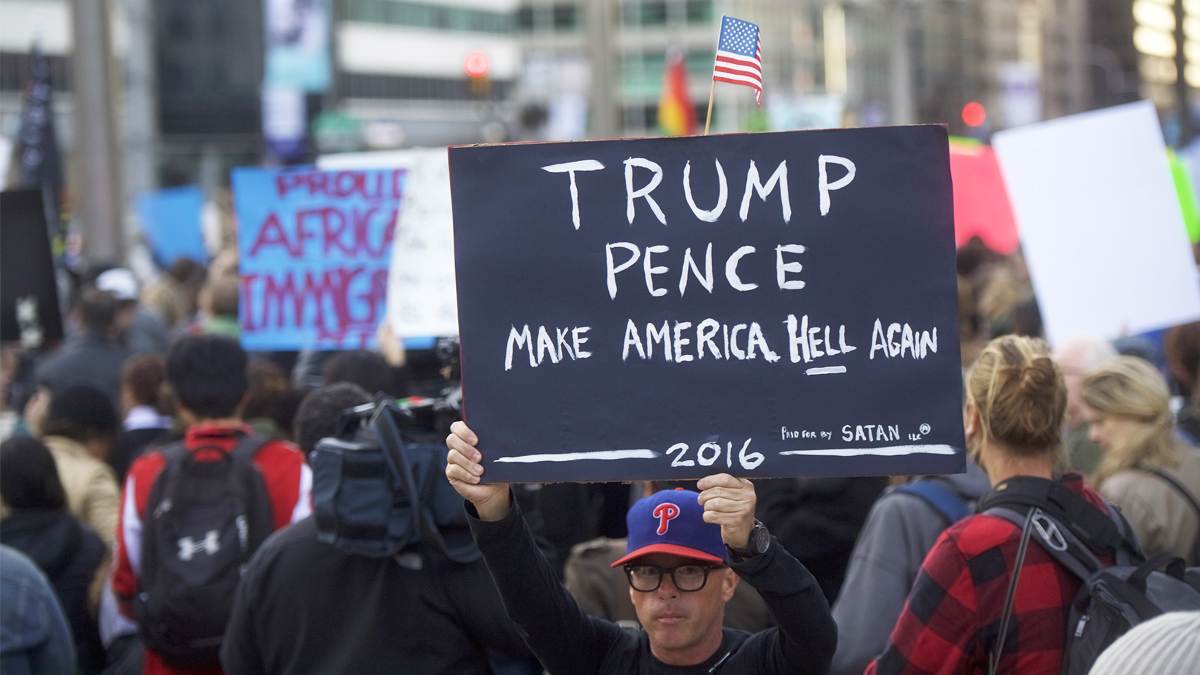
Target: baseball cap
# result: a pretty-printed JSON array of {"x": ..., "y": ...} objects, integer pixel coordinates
[
  {"x": 672, "y": 521},
  {"x": 120, "y": 282}
]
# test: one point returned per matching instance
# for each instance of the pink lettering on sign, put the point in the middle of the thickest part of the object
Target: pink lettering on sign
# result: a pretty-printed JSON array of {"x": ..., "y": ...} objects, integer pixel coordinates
[
  {"x": 377, "y": 185},
  {"x": 357, "y": 232},
  {"x": 342, "y": 302}
]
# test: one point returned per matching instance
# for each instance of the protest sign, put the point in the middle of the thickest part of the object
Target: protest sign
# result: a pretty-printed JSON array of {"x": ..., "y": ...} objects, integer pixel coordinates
[
  {"x": 421, "y": 299},
  {"x": 29, "y": 309},
  {"x": 1101, "y": 225},
  {"x": 774, "y": 304},
  {"x": 170, "y": 220},
  {"x": 314, "y": 248}
]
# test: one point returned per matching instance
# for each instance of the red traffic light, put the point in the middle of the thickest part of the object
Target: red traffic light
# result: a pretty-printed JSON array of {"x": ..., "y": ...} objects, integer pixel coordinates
[
  {"x": 973, "y": 114},
  {"x": 476, "y": 64}
]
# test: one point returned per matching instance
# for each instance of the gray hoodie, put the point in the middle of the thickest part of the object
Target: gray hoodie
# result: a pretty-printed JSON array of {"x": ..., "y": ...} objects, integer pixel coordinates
[{"x": 899, "y": 532}]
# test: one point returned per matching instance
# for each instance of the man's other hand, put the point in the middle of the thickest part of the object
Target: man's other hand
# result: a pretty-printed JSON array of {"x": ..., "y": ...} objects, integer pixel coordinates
[
  {"x": 464, "y": 471},
  {"x": 729, "y": 502}
]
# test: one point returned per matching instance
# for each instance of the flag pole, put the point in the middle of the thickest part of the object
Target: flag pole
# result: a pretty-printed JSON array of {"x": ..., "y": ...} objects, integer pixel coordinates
[{"x": 711, "y": 90}]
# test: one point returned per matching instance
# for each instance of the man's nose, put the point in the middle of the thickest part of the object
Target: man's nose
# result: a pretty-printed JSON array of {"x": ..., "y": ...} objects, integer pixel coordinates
[{"x": 667, "y": 587}]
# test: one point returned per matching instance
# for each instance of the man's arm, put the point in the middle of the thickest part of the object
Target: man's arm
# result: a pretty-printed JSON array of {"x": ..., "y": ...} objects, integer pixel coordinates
[
  {"x": 807, "y": 637},
  {"x": 563, "y": 638}
]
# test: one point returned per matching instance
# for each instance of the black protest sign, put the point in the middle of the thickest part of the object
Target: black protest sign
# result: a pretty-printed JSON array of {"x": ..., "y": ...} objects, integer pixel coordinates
[
  {"x": 28, "y": 293},
  {"x": 777, "y": 304}
]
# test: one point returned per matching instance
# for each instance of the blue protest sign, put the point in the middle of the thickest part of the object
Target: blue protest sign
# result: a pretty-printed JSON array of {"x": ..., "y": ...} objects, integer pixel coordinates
[
  {"x": 314, "y": 248},
  {"x": 170, "y": 221},
  {"x": 762, "y": 304}
]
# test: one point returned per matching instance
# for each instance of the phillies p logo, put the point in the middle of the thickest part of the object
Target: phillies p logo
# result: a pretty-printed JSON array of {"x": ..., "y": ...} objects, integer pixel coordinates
[{"x": 665, "y": 512}]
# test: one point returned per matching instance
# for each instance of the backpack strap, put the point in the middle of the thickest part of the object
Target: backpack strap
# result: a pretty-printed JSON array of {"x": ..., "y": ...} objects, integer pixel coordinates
[
  {"x": 247, "y": 447},
  {"x": 1010, "y": 596},
  {"x": 1187, "y": 495},
  {"x": 1103, "y": 533},
  {"x": 940, "y": 497}
]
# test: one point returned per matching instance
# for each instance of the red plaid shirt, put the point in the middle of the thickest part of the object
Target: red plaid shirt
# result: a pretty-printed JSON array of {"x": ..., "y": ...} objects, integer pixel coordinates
[{"x": 950, "y": 620}]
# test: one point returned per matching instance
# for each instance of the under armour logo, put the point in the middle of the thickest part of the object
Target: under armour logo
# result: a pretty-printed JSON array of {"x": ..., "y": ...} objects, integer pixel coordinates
[
  {"x": 188, "y": 547},
  {"x": 665, "y": 512}
]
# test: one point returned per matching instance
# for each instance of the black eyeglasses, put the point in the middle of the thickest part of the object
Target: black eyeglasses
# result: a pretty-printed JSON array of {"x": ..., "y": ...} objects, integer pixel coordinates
[{"x": 688, "y": 578}]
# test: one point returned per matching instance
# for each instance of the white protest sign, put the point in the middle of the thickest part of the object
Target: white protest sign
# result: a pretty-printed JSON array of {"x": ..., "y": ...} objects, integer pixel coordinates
[
  {"x": 421, "y": 298},
  {"x": 1100, "y": 223}
]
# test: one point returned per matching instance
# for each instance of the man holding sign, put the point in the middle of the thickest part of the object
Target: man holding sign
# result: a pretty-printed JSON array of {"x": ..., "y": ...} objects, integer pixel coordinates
[{"x": 687, "y": 553}]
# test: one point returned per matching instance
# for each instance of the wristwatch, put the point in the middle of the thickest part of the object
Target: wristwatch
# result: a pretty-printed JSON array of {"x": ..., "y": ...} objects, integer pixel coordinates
[{"x": 757, "y": 544}]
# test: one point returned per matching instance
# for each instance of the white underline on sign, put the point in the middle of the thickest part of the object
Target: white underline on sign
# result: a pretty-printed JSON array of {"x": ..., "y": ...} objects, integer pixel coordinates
[
  {"x": 887, "y": 451},
  {"x": 825, "y": 371},
  {"x": 575, "y": 456}
]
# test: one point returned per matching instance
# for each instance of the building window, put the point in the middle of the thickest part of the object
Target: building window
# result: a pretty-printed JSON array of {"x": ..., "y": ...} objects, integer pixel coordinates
[
  {"x": 422, "y": 15},
  {"x": 699, "y": 11},
  {"x": 15, "y": 72}
]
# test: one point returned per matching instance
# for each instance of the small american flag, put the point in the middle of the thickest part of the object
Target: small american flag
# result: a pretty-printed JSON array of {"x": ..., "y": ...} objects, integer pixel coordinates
[{"x": 739, "y": 55}]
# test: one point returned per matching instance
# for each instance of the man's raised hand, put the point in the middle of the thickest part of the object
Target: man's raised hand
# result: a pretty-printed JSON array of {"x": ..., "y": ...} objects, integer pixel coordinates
[
  {"x": 729, "y": 502},
  {"x": 464, "y": 471}
]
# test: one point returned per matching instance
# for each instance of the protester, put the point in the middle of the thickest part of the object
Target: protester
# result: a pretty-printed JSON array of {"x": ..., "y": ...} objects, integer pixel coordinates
[
  {"x": 1146, "y": 470},
  {"x": 208, "y": 375},
  {"x": 901, "y": 528},
  {"x": 602, "y": 590},
  {"x": 79, "y": 429},
  {"x": 364, "y": 368},
  {"x": 146, "y": 418},
  {"x": 417, "y": 612},
  {"x": 39, "y": 525},
  {"x": 173, "y": 295},
  {"x": 1181, "y": 345},
  {"x": 218, "y": 308},
  {"x": 1168, "y": 644},
  {"x": 319, "y": 411},
  {"x": 141, "y": 330},
  {"x": 34, "y": 635},
  {"x": 1077, "y": 358},
  {"x": 1016, "y": 398},
  {"x": 92, "y": 357},
  {"x": 818, "y": 520},
  {"x": 271, "y": 402},
  {"x": 680, "y": 581}
]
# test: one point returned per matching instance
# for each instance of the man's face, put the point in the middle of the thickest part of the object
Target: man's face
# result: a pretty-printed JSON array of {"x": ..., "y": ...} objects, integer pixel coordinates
[{"x": 679, "y": 624}]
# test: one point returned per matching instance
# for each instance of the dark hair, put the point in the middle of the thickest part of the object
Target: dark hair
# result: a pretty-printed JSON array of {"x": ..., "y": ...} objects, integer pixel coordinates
[
  {"x": 187, "y": 271},
  {"x": 208, "y": 374},
  {"x": 81, "y": 413},
  {"x": 1182, "y": 347},
  {"x": 29, "y": 476},
  {"x": 144, "y": 374},
  {"x": 364, "y": 368},
  {"x": 276, "y": 404},
  {"x": 319, "y": 412},
  {"x": 98, "y": 310}
]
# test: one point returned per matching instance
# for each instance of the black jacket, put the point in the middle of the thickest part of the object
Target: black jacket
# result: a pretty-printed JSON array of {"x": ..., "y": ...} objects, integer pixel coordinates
[
  {"x": 69, "y": 553},
  {"x": 305, "y": 606},
  {"x": 84, "y": 359},
  {"x": 569, "y": 642}
]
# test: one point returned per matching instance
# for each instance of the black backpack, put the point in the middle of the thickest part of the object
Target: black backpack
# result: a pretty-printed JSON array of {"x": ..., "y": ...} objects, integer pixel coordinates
[
  {"x": 1111, "y": 600},
  {"x": 203, "y": 522},
  {"x": 375, "y": 495}
]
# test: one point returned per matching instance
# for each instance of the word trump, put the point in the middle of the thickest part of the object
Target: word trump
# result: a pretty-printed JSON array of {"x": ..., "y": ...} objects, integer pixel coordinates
[{"x": 754, "y": 185}]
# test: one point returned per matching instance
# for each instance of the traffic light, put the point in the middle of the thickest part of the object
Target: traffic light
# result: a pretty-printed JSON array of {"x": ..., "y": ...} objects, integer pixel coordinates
[{"x": 476, "y": 66}]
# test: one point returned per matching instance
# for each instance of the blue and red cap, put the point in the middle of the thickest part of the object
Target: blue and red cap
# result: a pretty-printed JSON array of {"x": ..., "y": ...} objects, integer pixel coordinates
[{"x": 672, "y": 521}]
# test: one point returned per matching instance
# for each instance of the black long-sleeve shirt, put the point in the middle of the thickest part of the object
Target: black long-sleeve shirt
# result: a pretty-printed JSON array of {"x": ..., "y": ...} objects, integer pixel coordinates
[{"x": 569, "y": 642}]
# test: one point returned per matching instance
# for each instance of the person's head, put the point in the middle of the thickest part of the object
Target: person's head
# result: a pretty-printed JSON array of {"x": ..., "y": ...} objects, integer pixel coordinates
[
  {"x": 97, "y": 312},
  {"x": 219, "y": 297},
  {"x": 85, "y": 415},
  {"x": 271, "y": 397},
  {"x": 124, "y": 287},
  {"x": 142, "y": 378},
  {"x": 319, "y": 412},
  {"x": 1129, "y": 413},
  {"x": 367, "y": 369},
  {"x": 1078, "y": 358},
  {"x": 29, "y": 476},
  {"x": 1016, "y": 398},
  {"x": 207, "y": 374},
  {"x": 679, "y": 581},
  {"x": 1182, "y": 347}
]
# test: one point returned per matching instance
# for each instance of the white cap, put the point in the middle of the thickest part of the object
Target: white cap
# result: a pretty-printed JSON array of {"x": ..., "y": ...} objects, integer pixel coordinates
[
  {"x": 120, "y": 282},
  {"x": 1168, "y": 644}
]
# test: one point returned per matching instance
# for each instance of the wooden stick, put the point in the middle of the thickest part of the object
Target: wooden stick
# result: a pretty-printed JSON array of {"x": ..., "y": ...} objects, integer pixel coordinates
[{"x": 711, "y": 90}]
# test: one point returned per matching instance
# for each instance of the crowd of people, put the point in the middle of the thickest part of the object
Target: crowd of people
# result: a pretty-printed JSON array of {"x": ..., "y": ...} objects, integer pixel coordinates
[{"x": 150, "y": 413}]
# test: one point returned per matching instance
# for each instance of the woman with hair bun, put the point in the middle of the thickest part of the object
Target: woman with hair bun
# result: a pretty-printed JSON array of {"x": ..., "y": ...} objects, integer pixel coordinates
[
  {"x": 1016, "y": 399},
  {"x": 1146, "y": 469}
]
